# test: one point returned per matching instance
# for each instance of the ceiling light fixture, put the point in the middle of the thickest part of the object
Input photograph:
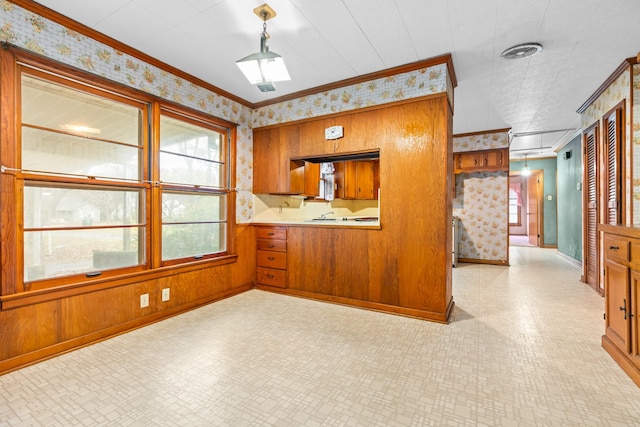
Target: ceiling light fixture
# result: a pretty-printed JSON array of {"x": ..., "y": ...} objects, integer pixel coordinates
[
  {"x": 265, "y": 67},
  {"x": 525, "y": 171},
  {"x": 521, "y": 51}
]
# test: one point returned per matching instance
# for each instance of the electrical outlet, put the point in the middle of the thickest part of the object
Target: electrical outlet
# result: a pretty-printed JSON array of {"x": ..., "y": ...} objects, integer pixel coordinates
[
  {"x": 144, "y": 300},
  {"x": 165, "y": 294}
]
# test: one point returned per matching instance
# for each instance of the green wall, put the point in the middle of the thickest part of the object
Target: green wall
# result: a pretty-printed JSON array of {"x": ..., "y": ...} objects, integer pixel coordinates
[
  {"x": 548, "y": 168},
  {"x": 570, "y": 200}
]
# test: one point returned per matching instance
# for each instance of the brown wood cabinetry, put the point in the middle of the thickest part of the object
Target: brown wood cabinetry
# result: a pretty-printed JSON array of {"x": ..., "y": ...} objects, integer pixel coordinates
[
  {"x": 481, "y": 161},
  {"x": 270, "y": 162},
  {"x": 271, "y": 259},
  {"x": 357, "y": 179},
  {"x": 622, "y": 287},
  {"x": 304, "y": 178}
]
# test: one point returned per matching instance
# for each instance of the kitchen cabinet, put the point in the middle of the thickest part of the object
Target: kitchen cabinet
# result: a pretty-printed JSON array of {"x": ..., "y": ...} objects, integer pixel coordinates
[
  {"x": 271, "y": 256},
  {"x": 270, "y": 162},
  {"x": 621, "y": 246},
  {"x": 304, "y": 178},
  {"x": 481, "y": 161},
  {"x": 357, "y": 179}
]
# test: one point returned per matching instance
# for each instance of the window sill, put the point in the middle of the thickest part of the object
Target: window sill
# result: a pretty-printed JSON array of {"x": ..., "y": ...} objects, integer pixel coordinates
[{"x": 22, "y": 299}]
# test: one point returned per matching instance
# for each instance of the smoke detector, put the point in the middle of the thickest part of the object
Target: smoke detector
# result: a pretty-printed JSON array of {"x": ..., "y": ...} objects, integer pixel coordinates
[{"x": 521, "y": 50}]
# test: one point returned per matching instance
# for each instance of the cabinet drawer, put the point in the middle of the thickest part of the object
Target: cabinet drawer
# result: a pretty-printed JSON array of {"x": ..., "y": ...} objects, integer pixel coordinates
[
  {"x": 272, "y": 233},
  {"x": 272, "y": 259},
  {"x": 272, "y": 245},
  {"x": 271, "y": 277},
  {"x": 616, "y": 248}
]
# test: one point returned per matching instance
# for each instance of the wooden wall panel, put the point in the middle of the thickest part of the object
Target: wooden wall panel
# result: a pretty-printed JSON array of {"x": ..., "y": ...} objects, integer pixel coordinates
[
  {"x": 38, "y": 331},
  {"x": 407, "y": 263}
]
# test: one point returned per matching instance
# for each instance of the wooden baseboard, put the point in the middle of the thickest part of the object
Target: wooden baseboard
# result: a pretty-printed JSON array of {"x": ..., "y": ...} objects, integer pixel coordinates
[
  {"x": 57, "y": 349},
  {"x": 484, "y": 261},
  {"x": 368, "y": 305},
  {"x": 621, "y": 359}
]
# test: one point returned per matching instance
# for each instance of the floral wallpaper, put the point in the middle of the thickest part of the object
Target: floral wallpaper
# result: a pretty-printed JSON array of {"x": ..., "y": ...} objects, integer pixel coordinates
[
  {"x": 618, "y": 91},
  {"x": 412, "y": 84},
  {"x": 485, "y": 141},
  {"x": 33, "y": 32},
  {"x": 481, "y": 203}
]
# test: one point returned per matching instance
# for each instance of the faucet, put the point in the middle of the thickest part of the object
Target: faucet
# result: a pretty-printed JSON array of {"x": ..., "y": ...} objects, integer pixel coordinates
[{"x": 324, "y": 215}]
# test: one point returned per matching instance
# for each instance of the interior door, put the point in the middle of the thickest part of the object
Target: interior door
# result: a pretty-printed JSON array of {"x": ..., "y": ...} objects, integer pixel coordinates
[
  {"x": 533, "y": 223},
  {"x": 591, "y": 211}
]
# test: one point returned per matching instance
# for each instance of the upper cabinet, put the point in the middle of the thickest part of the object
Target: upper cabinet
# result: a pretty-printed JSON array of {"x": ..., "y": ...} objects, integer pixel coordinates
[
  {"x": 357, "y": 179},
  {"x": 481, "y": 161},
  {"x": 270, "y": 162}
]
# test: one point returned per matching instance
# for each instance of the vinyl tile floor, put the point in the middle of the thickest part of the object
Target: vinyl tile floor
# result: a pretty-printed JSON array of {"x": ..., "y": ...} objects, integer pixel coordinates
[{"x": 522, "y": 349}]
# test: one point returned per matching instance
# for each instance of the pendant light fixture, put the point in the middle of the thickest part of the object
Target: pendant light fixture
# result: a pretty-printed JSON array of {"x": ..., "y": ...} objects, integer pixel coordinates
[
  {"x": 265, "y": 67},
  {"x": 525, "y": 171}
]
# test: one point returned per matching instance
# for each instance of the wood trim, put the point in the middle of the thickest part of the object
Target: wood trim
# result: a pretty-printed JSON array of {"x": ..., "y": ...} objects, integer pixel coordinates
[
  {"x": 8, "y": 302},
  {"x": 482, "y": 132},
  {"x": 483, "y": 261},
  {"x": 57, "y": 349},
  {"x": 368, "y": 305},
  {"x": 67, "y": 22},
  {"x": 442, "y": 59},
  {"x": 620, "y": 113},
  {"x": 356, "y": 111},
  {"x": 626, "y": 64}
]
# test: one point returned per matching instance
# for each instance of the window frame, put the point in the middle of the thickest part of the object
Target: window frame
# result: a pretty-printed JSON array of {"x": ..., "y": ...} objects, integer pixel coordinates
[{"x": 15, "y": 62}]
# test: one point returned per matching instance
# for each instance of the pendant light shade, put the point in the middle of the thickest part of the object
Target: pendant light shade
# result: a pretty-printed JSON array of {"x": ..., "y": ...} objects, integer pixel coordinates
[{"x": 264, "y": 67}]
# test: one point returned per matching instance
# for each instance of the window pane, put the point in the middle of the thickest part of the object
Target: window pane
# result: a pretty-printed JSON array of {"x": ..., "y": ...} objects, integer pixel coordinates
[
  {"x": 55, "y": 253},
  {"x": 190, "y": 140},
  {"x": 55, "y": 152},
  {"x": 187, "y": 170},
  {"x": 73, "y": 207},
  {"x": 188, "y": 240},
  {"x": 49, "y": 105},
  {"x": 181, "y": 207}
]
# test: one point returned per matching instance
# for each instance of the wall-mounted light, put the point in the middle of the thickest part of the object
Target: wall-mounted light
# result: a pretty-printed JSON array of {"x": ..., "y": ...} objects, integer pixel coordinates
[{"x": 264, "y": 67}]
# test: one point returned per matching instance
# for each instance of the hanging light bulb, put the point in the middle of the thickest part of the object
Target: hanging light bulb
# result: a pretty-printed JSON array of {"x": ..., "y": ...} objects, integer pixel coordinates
[{"x": 525, "y": 171}]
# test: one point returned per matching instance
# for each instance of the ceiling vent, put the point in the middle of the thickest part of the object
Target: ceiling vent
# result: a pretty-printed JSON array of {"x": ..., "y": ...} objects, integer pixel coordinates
[{"x": 521, "y": 51}]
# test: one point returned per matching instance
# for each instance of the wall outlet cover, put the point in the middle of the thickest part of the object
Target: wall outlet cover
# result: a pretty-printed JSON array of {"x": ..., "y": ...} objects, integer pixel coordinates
[
  {"x": 144, "y": 300},
  {"x": 166, "y": 294}
]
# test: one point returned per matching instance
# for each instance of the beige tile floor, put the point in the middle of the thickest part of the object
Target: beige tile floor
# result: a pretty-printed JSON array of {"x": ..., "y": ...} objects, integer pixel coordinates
[{"x": 523, "y": 349}]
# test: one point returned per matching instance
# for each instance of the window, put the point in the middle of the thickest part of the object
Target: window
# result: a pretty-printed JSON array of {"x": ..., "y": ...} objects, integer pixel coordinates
[
  {"x": 514, "y": 208},
  {"x": 193, "y": 176},
  {"x": 83, "y": 197},
  {"x": 103, "y": 186}
]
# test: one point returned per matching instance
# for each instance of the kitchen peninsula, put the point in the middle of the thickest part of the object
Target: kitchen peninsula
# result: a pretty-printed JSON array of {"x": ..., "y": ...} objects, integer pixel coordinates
[{"x": 399, "y": 262}]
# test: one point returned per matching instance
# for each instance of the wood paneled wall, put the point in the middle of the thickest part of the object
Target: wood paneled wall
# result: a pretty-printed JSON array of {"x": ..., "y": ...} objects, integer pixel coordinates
[
  {"x": 34, "y": 332},
  {"x": 405, "y": 266}
]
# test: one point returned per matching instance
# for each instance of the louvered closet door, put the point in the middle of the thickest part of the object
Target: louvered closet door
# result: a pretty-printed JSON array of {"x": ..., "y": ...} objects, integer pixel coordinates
[
  {"x": 614, "y": 205},
  {"x": 591, "y": 214}
]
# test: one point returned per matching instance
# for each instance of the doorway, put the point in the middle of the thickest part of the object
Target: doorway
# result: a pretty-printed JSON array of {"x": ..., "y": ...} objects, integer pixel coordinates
[{"x": 525, "y": 209}]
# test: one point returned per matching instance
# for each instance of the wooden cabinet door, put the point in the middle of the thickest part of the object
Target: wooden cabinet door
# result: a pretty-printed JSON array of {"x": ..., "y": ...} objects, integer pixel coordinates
[
  {"x": 364, "y": 178},
  {"x": 635, "y": 323},
  {"x": 618, "y": 304},
  {"x": 493, "y": 158},
  {"x": 468, "y": 161},
  {"x": 350, "y": 180},
  {"x": 270, "y": 162}
]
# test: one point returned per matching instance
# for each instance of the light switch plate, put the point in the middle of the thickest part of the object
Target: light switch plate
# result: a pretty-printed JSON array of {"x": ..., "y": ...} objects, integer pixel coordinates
[
  {"x": 166, "y": 294},
  {"x": 144, "y": 300}
]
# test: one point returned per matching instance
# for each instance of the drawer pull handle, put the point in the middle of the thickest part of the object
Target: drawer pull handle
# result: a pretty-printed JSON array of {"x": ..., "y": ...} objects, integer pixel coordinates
[
  {"x": 614, "y": 248},
  {"x": 271, "y": 234},
  {"x": 271, "y": 258},
  {"x": 270, "y": 276},
  {"x": 272, "y": 246},
  {"x": 624, "y": 308}
]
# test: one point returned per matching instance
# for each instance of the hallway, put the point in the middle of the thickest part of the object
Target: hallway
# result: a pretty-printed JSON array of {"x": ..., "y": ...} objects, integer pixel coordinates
[{"x": 522, "y": 349}]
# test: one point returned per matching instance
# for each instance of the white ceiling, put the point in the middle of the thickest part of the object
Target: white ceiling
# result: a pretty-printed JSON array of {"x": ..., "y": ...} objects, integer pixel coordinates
[{"x": 324, "y": 41}]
